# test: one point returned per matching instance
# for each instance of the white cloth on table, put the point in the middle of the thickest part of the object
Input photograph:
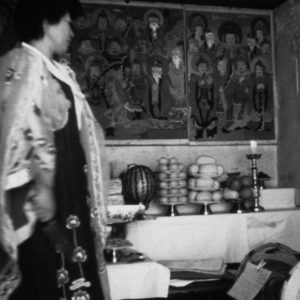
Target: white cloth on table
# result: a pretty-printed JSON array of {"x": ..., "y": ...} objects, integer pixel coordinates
[
  {"x": 229, "y": 236},
  {"x": 274, "y": 227},
  {"x": 138, "y": 280},
  {"x": 191, "y": 237}
]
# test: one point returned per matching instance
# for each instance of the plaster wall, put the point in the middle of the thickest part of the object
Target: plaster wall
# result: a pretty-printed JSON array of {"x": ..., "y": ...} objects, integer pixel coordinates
[
  {"x": 287, "y": 41},
  {"x": 232, "y": 157}
]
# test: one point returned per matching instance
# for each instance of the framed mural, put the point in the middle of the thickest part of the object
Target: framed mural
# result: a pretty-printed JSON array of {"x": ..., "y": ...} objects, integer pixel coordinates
[
  {"x": 230, "y": 75},
  {"x": 131, "y": 66},
  {"x": 170, "y": 72}
]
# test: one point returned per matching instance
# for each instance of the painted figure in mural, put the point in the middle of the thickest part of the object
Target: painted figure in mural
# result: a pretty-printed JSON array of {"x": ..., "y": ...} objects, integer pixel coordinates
[
  {"x": 197, "y": 25},
  {"x": 138, "y": 28},
  {"x": 230, "y": 35},
  {"x": 121, "y": 24},
  {"x": 266, "y": 54},
  {"x": 202, "y": 100},
  {"x": 54, "y": 170},
  {"x": 93, "y": 83},
  {"x": 210, "y": 44},
  {"x": 101, "y": 36},
  {"x": 82, "y": 23},
  {"x": 260, "y": 29},
  {"x": 137, "y": 92},
  {"x": 239, "y": 96},
  {"x": 85, "y": 47},
  {"x": 141, "y": 49},
  {"x": 84, "y": 51},
  {"x": 116, "y": 112},
  {"x": 251, "y": 50},
  {"x": 198, "y": 35},
  {"x": 221, "y": 78},
  {"x": 117, "y": 58},
  {"x": 160, "y": 100},
  {"x": 155, "y": 21},
  {"x": 192, "y": 50},
  {"x": 265, "y": 48},
  {"x": 118, "y": 115},
  {"x": 262, "y": 96},
  {"x": 116, "y": 50},
  {"x": 176, "y": 75}
]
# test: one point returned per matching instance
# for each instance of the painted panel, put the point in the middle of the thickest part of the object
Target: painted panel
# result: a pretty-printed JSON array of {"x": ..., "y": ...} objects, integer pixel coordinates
[{"x": 177, "y": 72}]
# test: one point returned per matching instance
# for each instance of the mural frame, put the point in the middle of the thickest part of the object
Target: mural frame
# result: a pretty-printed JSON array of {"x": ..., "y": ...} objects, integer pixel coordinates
[{"x": 240, "y": 136}]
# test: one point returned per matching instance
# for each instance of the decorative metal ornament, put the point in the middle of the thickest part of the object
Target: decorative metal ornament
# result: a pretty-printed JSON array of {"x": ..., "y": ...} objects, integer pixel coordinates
[
  {"x": 81, "y": 295},
  {"x": 62, "y": 277},
  {"x": 79, "y": 255},
  {"x": 73, "y": 222},
  {"x": 79, "y": 283}
]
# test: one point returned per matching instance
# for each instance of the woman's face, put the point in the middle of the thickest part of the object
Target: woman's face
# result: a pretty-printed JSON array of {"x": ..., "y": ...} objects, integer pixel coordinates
[{"x": 59, "y": 35}]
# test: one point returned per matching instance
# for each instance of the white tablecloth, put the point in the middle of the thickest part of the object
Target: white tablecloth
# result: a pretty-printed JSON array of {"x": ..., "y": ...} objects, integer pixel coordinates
[
  {"x": 230, "y": 236},
  {"x": 138, "y": 280}
]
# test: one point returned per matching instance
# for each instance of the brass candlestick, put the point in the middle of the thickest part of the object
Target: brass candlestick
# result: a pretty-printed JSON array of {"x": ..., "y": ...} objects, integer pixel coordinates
[{"x": 254, "y": 157}]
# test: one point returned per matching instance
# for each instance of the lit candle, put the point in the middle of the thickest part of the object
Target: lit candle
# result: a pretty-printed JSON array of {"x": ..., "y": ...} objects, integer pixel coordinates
[{"x": 253, "y": 147}]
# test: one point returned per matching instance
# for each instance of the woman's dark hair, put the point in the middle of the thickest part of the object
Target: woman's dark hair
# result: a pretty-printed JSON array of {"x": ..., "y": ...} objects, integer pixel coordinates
[{"x": 30, "y": 15}]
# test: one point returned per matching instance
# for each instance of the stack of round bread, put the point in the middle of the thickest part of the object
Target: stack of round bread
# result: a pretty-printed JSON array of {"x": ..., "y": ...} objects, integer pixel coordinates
[
  {"x": 171, "y": 178},
  {"x": 204, "y": 180}
]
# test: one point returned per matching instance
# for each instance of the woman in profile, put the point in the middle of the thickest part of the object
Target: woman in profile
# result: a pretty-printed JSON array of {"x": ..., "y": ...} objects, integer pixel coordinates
[{"x": 52, "y": 166}]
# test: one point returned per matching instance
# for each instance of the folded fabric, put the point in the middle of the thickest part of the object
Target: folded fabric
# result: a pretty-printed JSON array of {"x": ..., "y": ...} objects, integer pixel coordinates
[
  {"x": 190, "y": 275},
  {"x": 196, "y": 265},
  {"x": 115, "y": 186}
]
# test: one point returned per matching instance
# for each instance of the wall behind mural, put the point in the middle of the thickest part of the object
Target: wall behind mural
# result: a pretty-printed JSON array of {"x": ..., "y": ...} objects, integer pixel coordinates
[
  {"x": 7, "y": 33},
  {"x": 177, "y": 73}
]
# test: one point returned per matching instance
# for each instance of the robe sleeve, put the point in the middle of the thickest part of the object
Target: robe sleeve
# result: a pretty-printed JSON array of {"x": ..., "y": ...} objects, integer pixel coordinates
[
  {"x": 15, "y": 173},
  {"x": 26, "y": 134}
]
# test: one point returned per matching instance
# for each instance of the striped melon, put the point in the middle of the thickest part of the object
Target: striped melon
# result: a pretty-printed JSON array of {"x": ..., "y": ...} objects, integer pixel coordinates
[{"x": 138, "y": 185}]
